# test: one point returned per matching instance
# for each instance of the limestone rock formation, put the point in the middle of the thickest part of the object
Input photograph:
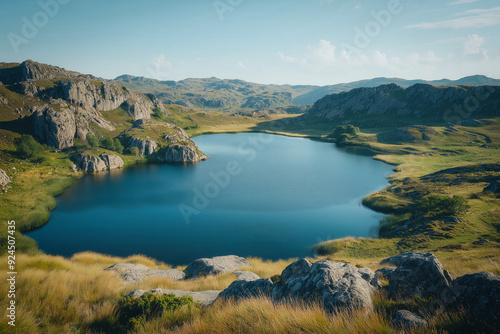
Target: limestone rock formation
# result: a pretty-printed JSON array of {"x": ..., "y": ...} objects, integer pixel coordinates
[
  {"x": 215, "y": 266},
  {"x": 56, "y": 128},
  {"x": 112, "y": 161},
  {"x": 93, "y": 164},
  {"x": 417, "y": 274},
  {"x": 146, "y": 147},
  {"x": 183, "y": 154}
]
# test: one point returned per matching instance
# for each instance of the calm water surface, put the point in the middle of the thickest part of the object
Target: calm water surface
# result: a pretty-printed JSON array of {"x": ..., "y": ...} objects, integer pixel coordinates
[{"x": 258, "y": 195}]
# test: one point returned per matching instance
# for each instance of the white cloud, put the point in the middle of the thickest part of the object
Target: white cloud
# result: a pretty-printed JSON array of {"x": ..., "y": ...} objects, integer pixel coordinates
[
  {"x": 473, "y": 46},
  {"x": 380, "y": 59},
  {"x": 241, "y": 65},
  {"x": 357, "y": 7},
  {"x": 475, "y": 18},
  {"x": 160, "y": 68},
  {"x": 461, "y": 2},
  {"x": 324, "y": 52},
  {"x": 287, "y": 59}
]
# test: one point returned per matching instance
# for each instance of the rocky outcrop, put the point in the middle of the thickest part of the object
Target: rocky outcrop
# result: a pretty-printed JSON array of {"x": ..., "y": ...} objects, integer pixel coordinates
[
  {"x": 407, "y": 319},
  {"x": 479, "y": 293},
  {"x": 112, "y": 161},
  {"x": 417, "y": 274},
  {"x": 146, "y": 147},
  {"x": 58, "y": 124},
  {"x": 215, "y": 266},
  {"x": 203, "y": 297},
  {"x": 4, "y": 178},
  {"x": 56, "y": 128},
  {"x": 93, "y": 164},
  {"x": 336, "y": 285},
  {"x": 183, "y": 154},
  {"x": 418, "y": 101}
]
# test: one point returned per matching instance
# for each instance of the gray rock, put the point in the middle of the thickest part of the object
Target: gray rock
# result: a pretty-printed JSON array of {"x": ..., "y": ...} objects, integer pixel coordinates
[
  {"x": 416, "y": 274},
  {"x": 215, "y": 266},
  {"x": 112, "y": 161},
  {"x": 119, "y": 267},
  {"x": 248, "y": 289},
  {"x": 407, "y": 319},
  {"x": 4, "y": 178},
  {"x": 368, "y": 275},
  {"x": 138, "y": 275},
  {"x": 139, "y": 123},
  {"x": 73, "y": 168},
  {"x": 92, "y": 164},
  {"x": 204, "y": 297},
  {"x": 246, "y": 276},
  {"x": 183, "y": 154},
  {"x": 146, "y": 147},
  {"x": 479, "y": 293},
  {"x": 385, "y": 273},
  {"x": 337, "y": 285},
  {"x": 56, "y": 128}
]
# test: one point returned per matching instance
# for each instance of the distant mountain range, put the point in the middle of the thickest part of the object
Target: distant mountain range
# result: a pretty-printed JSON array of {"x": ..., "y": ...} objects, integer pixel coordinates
[{"x": 231, "y": 95}]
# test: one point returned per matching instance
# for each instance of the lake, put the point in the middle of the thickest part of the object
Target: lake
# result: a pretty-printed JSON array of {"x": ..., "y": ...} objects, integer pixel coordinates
[{"x": 258, "y": 195}]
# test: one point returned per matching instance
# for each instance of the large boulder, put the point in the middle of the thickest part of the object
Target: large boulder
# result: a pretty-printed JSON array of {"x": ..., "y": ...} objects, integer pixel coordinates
[
  {"x": 92, "y": 164},
  {"x": 248, "y": 289},
  {"x": 112, "y": 161},
  {"x": 216, "y": 266},
  {"x": 417, "y": 274},
  {"x": 137, "y": 275},
  {"x": 183, "y": 154},
  {"x": 204, "y": 297},
  {"x": 56, "y": 128},
  {"x": 246, "y": 276},
  {"x": 335, "y": 284},
  {"x": 479, "y": 293},
  {"x": 146, "y": 147}
]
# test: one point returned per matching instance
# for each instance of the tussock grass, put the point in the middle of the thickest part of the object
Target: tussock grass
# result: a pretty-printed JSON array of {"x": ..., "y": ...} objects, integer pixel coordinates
[
  {"x": 260, "y": 315},
  {"x": 91, "y": 258}
]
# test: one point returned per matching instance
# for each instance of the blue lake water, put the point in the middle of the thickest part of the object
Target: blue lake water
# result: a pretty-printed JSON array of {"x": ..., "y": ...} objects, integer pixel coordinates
[{"x": 258, "y": 195}]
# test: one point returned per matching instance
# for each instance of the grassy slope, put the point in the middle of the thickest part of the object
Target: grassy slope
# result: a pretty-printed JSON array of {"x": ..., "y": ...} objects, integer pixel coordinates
[{"x": 74, "y": 294}]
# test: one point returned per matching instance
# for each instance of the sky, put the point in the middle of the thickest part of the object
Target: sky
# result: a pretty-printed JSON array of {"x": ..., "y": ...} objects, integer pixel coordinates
[{"x": 309, "y": 42}]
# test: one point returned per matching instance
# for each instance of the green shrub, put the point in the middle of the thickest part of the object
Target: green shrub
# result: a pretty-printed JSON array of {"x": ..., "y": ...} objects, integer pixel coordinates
[
  {"x": 118, "y": 146},
  {"x": 344, "y": 132},
  {"x": 28, "y": 147},
  {"x": 159, "y": 114},
  {"x": 439, "y": 205},
  {"x": 92, "y": 140},
  {"x": 108, "y": 144},
  {"x": 134, "y": 312},
  {"x": 135, "y": 151}
]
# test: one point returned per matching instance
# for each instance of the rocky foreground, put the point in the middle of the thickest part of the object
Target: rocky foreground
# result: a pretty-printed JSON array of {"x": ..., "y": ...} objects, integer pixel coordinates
[{"x": 338, "y": 286}]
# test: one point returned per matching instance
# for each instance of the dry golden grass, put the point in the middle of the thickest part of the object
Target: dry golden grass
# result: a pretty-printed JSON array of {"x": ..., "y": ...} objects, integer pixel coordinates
[
  {"x": 108, "y": 260},
  {"x": 260, "y": 315}
]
